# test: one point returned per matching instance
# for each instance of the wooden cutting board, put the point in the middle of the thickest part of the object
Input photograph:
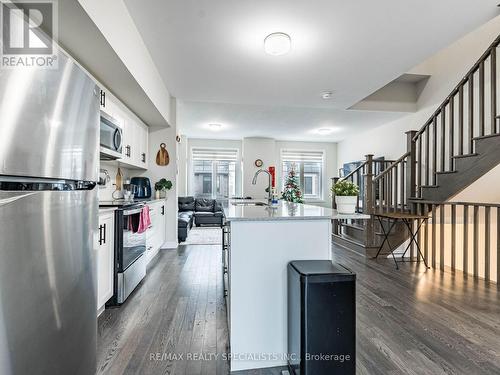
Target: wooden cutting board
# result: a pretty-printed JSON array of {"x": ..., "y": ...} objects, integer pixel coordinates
[
  {"x": 118, "y": 179},
  {"x": 162, "y": 157}
]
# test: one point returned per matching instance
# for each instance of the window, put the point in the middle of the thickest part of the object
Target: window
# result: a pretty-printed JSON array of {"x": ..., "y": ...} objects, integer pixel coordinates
[
  {"x": 214, "y": 172},
  {"x": 308, "y": 166}
]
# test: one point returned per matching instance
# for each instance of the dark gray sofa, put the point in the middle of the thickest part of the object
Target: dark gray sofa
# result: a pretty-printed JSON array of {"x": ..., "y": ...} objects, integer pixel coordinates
[{"x": 199, "y": 211}]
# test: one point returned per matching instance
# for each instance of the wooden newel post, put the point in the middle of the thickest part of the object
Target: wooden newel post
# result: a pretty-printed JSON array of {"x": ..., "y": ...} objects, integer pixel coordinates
[
  {"x": 411, "y": 173},
  {"x": 334, "y": 181},
  {"x": 335, "y": 224},
  {"x": 369, "y": 200},
  {"x": 368, "y": 186}
]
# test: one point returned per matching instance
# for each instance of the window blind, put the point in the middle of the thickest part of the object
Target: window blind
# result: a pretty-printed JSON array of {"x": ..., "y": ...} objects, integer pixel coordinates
[
  {"x": 214, "y": 154},
  {"x": 302, "y": 156}
]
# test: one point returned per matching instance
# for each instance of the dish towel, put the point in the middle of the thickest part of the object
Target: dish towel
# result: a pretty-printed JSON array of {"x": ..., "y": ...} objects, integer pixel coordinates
[{"x": 145, "y": 220}]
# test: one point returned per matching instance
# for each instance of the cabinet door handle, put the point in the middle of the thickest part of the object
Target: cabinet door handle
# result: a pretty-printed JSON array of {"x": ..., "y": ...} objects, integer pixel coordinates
[
  {"x": 143, "y": 157},
  {"x": 127, "y": 151},
  {"x": 104, "y": 234},
  {"x": 163, "y": 210}
]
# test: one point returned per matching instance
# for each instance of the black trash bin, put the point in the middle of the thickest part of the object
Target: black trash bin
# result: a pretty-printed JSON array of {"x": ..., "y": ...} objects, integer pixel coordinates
[{"x": 321, "y": 318}]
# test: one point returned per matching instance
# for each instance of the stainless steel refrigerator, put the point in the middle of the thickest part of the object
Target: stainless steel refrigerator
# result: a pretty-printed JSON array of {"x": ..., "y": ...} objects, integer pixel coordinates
[{"x": 49, "y": 121}]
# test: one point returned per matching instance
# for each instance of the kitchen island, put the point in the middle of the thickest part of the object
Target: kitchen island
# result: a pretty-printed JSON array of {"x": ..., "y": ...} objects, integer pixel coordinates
[{"x": 259, "y": 242}]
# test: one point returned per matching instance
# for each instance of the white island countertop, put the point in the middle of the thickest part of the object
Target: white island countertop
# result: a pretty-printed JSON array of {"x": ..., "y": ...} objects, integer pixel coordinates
[{"x": 284, "y": 211}]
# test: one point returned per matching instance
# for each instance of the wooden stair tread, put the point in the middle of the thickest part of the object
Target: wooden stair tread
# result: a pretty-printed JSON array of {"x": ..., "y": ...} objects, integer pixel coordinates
[
  {"x": 446, "y": 172},
  {"x": 465, "y": 156},
  {"x": 485, "y": 137}
]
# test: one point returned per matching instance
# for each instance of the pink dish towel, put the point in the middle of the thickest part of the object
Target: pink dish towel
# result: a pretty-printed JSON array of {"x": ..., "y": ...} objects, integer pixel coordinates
[{"x": 145, "y": 220}]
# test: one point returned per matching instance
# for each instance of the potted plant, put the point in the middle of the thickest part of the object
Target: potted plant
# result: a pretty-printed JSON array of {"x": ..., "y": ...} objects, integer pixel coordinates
[
  {"x": 346, "y": 196},
  {"x": 161, "y": 187}
]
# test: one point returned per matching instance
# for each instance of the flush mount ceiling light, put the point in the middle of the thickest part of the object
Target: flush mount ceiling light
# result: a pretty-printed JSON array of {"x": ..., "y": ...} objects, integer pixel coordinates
[
  {"x": 215, "y": 127},
  {"x": 277, "y": 44},
  {"x": 325, "y": 131},
  {"x": 327, "y": 95}
]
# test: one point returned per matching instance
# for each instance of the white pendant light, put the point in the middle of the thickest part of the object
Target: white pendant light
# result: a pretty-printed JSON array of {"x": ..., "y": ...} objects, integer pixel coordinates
[{"x": 277, "y": 44}]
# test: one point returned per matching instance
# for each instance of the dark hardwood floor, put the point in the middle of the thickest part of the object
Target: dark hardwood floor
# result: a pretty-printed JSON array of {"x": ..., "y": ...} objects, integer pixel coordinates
[{"x": 410, "y": 321}]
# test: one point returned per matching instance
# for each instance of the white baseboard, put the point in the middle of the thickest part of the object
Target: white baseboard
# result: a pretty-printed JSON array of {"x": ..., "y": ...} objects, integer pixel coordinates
[{"x": 170, "y": 245}]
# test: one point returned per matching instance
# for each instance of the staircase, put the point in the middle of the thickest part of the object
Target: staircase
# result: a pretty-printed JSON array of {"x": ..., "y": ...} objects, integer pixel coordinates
[{"x": 457, "y": 145}]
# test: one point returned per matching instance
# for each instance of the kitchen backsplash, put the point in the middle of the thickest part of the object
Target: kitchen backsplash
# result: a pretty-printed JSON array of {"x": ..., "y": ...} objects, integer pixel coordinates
[{"x": 106, "y": 192}]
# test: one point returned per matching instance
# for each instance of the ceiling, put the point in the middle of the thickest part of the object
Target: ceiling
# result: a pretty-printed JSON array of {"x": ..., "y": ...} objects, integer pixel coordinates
[
  {"x": 283, "y": 123},
  {"x": 212, "y": 51}
]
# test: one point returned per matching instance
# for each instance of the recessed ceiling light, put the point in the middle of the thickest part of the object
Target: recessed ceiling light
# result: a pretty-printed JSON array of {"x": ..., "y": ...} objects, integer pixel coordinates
[
  {"x": 277, "y": 44},
  {"x": 215, "y": 127},
  {"x": 325, "y": 131},
  {"x": 327, "y": 94}
]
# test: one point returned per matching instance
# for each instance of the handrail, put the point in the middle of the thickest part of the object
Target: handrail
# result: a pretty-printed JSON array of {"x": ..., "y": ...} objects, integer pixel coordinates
[
  {"x": 354, "y": 171},
  {"x": 389, "y": 168},
  {"x": 439, "y": 203},
  {"x": 462, "y": 82}
]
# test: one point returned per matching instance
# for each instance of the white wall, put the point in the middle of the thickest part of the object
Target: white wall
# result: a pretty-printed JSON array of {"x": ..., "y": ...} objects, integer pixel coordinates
[
  {"x": 156, "y": 172},
  {"x": 446, "y": 69},
  {"x": 106, "y": 192},
  {"x": 182, "y": 162},
  {"x": 257, "y": 148}
]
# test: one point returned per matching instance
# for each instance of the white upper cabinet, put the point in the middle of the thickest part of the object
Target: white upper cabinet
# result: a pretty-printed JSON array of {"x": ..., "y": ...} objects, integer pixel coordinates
[
  {"x": 143, "y": 146},
  {"x": 135, "y": 144},
  {"x": 135, "y": 132}
]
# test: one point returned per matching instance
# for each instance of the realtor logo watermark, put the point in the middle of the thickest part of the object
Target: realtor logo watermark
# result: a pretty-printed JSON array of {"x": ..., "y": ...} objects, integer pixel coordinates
[{"x": 29, "y": 28}]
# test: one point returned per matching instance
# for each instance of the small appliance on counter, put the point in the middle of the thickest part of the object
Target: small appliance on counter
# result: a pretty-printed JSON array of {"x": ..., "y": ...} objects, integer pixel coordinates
[
  {"x": 129, "y": 190},
  {"x": 143, "y": 187}
]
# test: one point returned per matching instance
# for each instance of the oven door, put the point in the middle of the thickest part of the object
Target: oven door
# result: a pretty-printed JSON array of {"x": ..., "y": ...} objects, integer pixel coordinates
[
  {"x": 134, "y": 243},
  {"x": 111, "y": 138}
]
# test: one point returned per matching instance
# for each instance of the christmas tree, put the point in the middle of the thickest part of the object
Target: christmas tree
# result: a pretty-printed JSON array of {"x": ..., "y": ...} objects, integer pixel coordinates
[{"x": 291, "y": 192}]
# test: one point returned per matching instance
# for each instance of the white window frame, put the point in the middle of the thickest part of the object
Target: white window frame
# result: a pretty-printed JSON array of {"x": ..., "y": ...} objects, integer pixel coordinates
[
  {"x": 321, "y": 198},
  {"x": 238, "y": 173}
]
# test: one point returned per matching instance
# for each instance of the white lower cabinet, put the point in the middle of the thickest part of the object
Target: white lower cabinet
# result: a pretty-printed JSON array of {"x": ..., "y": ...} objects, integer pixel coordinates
[
  {"x": 155, "y": 235},
  {"x": 105, "y": 259}
]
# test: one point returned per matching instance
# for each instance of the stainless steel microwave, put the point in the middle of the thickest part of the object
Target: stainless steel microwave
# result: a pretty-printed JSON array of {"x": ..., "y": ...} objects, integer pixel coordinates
[{"x": 111, "y": 138}]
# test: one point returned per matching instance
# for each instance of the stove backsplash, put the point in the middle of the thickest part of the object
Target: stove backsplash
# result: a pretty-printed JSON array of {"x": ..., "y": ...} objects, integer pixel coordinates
[{"x": 106, "y": 192}]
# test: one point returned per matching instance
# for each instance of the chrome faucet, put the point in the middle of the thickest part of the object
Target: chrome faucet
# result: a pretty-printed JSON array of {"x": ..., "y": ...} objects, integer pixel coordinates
[{"x": 269, "y": 193}]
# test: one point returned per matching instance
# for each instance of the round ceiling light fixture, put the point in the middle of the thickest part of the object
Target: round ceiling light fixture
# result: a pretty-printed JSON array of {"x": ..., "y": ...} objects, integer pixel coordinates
[
  {"x": 215, "y": 127},
  {"x": 277, "y": 44},
  {"x": 325, "y": 131},
  {"x": 327, "y": 95}
]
